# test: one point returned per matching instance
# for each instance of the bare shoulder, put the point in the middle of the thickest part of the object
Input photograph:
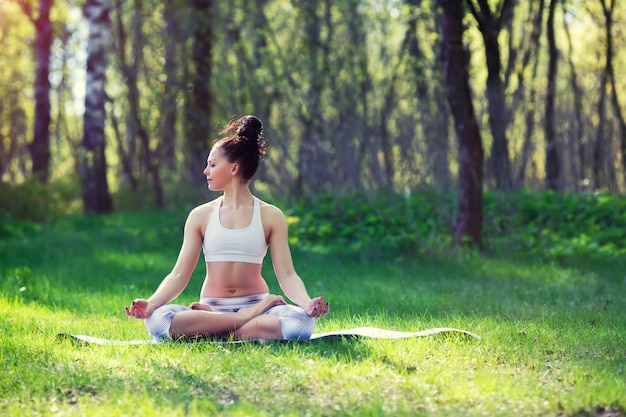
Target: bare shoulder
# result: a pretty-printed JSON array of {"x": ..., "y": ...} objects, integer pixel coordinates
[
  {"x": 200, "y": 215},
  {"x": 271, "y": 214}
]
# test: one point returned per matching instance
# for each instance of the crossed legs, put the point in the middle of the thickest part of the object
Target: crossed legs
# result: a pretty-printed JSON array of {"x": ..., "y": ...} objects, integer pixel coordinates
[{"x": 247, "y": 323}]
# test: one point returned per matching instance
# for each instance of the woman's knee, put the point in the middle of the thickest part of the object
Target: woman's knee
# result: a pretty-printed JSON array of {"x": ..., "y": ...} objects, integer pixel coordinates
[
  {"x": 159, "y": 323},
  {"x": 294, "y": 322},
  {"x": 297, "y": 328}
]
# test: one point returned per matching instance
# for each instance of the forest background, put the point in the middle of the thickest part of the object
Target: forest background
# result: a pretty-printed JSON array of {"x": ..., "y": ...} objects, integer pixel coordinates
[
  {"x": 114, "y": 104},
  {"x": 395, "y": 127}
]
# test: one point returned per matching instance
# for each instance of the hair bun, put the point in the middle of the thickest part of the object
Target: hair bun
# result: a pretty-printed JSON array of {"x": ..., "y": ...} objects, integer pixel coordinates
[{"x": 249, "y": 127}]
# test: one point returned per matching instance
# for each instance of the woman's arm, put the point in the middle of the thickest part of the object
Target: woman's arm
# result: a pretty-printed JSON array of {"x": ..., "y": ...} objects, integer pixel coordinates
[
  {"x": 176, "y": 281},
  {"x": 290, "y": 282}
]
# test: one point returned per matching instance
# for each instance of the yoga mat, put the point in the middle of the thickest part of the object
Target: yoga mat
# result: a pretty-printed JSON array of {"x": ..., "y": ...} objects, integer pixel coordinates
[{"x": 359, "y": 332}]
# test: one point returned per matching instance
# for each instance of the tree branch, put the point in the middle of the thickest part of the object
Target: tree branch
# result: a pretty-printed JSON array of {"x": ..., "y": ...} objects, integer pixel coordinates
[
  {"x": 505, "y": 13},
  {"x": 477, "y": 16},
  {"x": 27, "y": 8}
]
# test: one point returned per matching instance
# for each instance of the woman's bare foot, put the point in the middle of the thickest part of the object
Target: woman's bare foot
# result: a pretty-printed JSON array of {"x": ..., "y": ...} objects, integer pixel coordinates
[
  {"x": 264, "y": 305},
  {"x": 199, "y": 306}
]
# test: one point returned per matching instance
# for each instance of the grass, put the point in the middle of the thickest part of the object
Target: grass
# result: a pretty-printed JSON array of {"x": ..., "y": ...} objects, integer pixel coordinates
[{"x": 553, "y": 334}]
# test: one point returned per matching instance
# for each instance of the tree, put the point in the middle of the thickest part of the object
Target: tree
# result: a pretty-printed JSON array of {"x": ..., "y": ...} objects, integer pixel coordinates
[
  {"x": 531, "y": 51},
  {"x": 608, "y": 76},
  {"x": 253, "y": 79},
  {"x": 490, "y": 25},
  {"x": 40, "y": 146},
  {"x": 129, "y": 67},
  {"x": 96, "y": 197},
  {"x": 552, "y": 158},
  {"x": 312, "y": 177},
  {"x": 352, "y": 92},
  {"x": 577, "y": 131},
  {"x": 199, "y": 101},
  {"x": 352, "y": 142},
  {"x": 432, "y": 113},
  {"x": 172, "y": 39},
  {"x": 469, "y": 215}
]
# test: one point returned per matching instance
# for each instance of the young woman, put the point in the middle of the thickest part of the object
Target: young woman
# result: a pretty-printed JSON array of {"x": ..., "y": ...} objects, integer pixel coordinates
[{"x": 234, "y": 232}]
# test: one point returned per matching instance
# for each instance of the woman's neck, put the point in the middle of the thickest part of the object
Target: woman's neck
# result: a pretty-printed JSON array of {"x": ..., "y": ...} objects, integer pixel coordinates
[{"x": 238, "y": 197}]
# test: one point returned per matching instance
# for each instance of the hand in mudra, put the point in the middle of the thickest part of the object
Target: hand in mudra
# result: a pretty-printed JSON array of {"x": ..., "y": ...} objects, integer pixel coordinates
[
  {"x": 317, "y": 307},
  {"x": 140, "y": 309}
]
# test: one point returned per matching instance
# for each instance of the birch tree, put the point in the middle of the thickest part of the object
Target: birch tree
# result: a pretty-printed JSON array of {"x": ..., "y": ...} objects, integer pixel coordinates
[{"x": 96, "y": 196}]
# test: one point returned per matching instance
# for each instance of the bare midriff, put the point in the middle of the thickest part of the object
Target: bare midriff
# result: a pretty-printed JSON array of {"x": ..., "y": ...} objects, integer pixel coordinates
[{"x": 233, "y": 279}]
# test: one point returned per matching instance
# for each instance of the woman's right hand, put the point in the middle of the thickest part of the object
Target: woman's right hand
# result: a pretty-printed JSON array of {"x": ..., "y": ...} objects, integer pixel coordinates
[{"x": 140, "y": 309}]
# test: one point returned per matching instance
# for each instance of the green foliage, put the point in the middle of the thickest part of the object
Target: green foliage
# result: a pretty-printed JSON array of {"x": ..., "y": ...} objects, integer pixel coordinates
[
  {"x": 176, "y": 193},
  {"x": 33, "y": 201},
  {"x": 557, "y": 225},
  {"x": 548, "y": 225},
  {"x": 373, "y": 223}
]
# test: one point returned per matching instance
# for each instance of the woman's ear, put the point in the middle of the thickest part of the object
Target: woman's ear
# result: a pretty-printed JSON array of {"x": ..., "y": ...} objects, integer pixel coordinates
[{"x": 234, "y": 169}]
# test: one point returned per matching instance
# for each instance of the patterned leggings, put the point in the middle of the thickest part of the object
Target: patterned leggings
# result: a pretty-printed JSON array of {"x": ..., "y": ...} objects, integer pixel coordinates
[{"x": 294, "y": 322}]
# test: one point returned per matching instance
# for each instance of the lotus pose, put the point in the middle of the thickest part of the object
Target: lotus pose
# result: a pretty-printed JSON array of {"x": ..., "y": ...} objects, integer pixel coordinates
[{"x": 234, "y": 232}]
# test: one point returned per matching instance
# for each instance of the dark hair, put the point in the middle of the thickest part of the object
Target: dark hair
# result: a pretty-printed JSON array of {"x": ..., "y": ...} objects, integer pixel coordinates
[{"x": 245, "y": 144}]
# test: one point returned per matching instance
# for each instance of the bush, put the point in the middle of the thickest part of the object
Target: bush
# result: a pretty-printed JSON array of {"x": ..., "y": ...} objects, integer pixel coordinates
[
  {"x": 35, "y": 202},
  {"x": 557, "y": 225},
  {"x": 545, "y": 224},
  {"x": 377, "y": 223}
]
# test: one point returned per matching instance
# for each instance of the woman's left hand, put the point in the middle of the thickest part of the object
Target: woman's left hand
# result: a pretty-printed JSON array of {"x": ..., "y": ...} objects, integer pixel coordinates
[{"x": 317, "y": 307}]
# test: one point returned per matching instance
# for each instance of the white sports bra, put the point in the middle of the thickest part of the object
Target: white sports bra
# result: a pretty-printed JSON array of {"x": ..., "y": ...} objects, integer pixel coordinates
[{"x": 247, "y": 244}]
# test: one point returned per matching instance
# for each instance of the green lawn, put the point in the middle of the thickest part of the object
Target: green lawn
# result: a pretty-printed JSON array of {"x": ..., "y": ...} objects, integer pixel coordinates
[{"x": 553, "y": 335}]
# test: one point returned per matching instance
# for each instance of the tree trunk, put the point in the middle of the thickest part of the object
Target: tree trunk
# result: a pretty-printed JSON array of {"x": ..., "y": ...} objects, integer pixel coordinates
[
  {"x": 199, "y": 106},
  {"x": 96, "y": 197},
  {"x": 360, "y": 144},
  {"x": 442, "y": 119},
  {"x": 310, "y": 176},
  {"x": 150, "y": 157},
  {"x": 529, "y": 127},
  {"x": 125, "y": 159},
  {"x": 599, "y": 157},
  {"x": 490, "y": 26},
  {"x": 577, "y": 132},
  {"x": 469, "y": 194},
  {"x": 553, "y": 169},
  {"x": 432, "y": 115},
  {"x": 608, "y": 16},
  {"x": 168, "y": 103},
  {"x": 12, "y": 149},
  {"x": 127, "y": 144},
  {"x": 40, "y": 146},
  {"x": 262, "y": 98},
  {"x": 598, "y": 146},
  {"x": 530, "y": 52}
]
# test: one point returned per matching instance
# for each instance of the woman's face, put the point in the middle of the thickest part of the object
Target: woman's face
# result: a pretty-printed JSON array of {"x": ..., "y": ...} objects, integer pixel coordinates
[{"x": 219, "y": 172}]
